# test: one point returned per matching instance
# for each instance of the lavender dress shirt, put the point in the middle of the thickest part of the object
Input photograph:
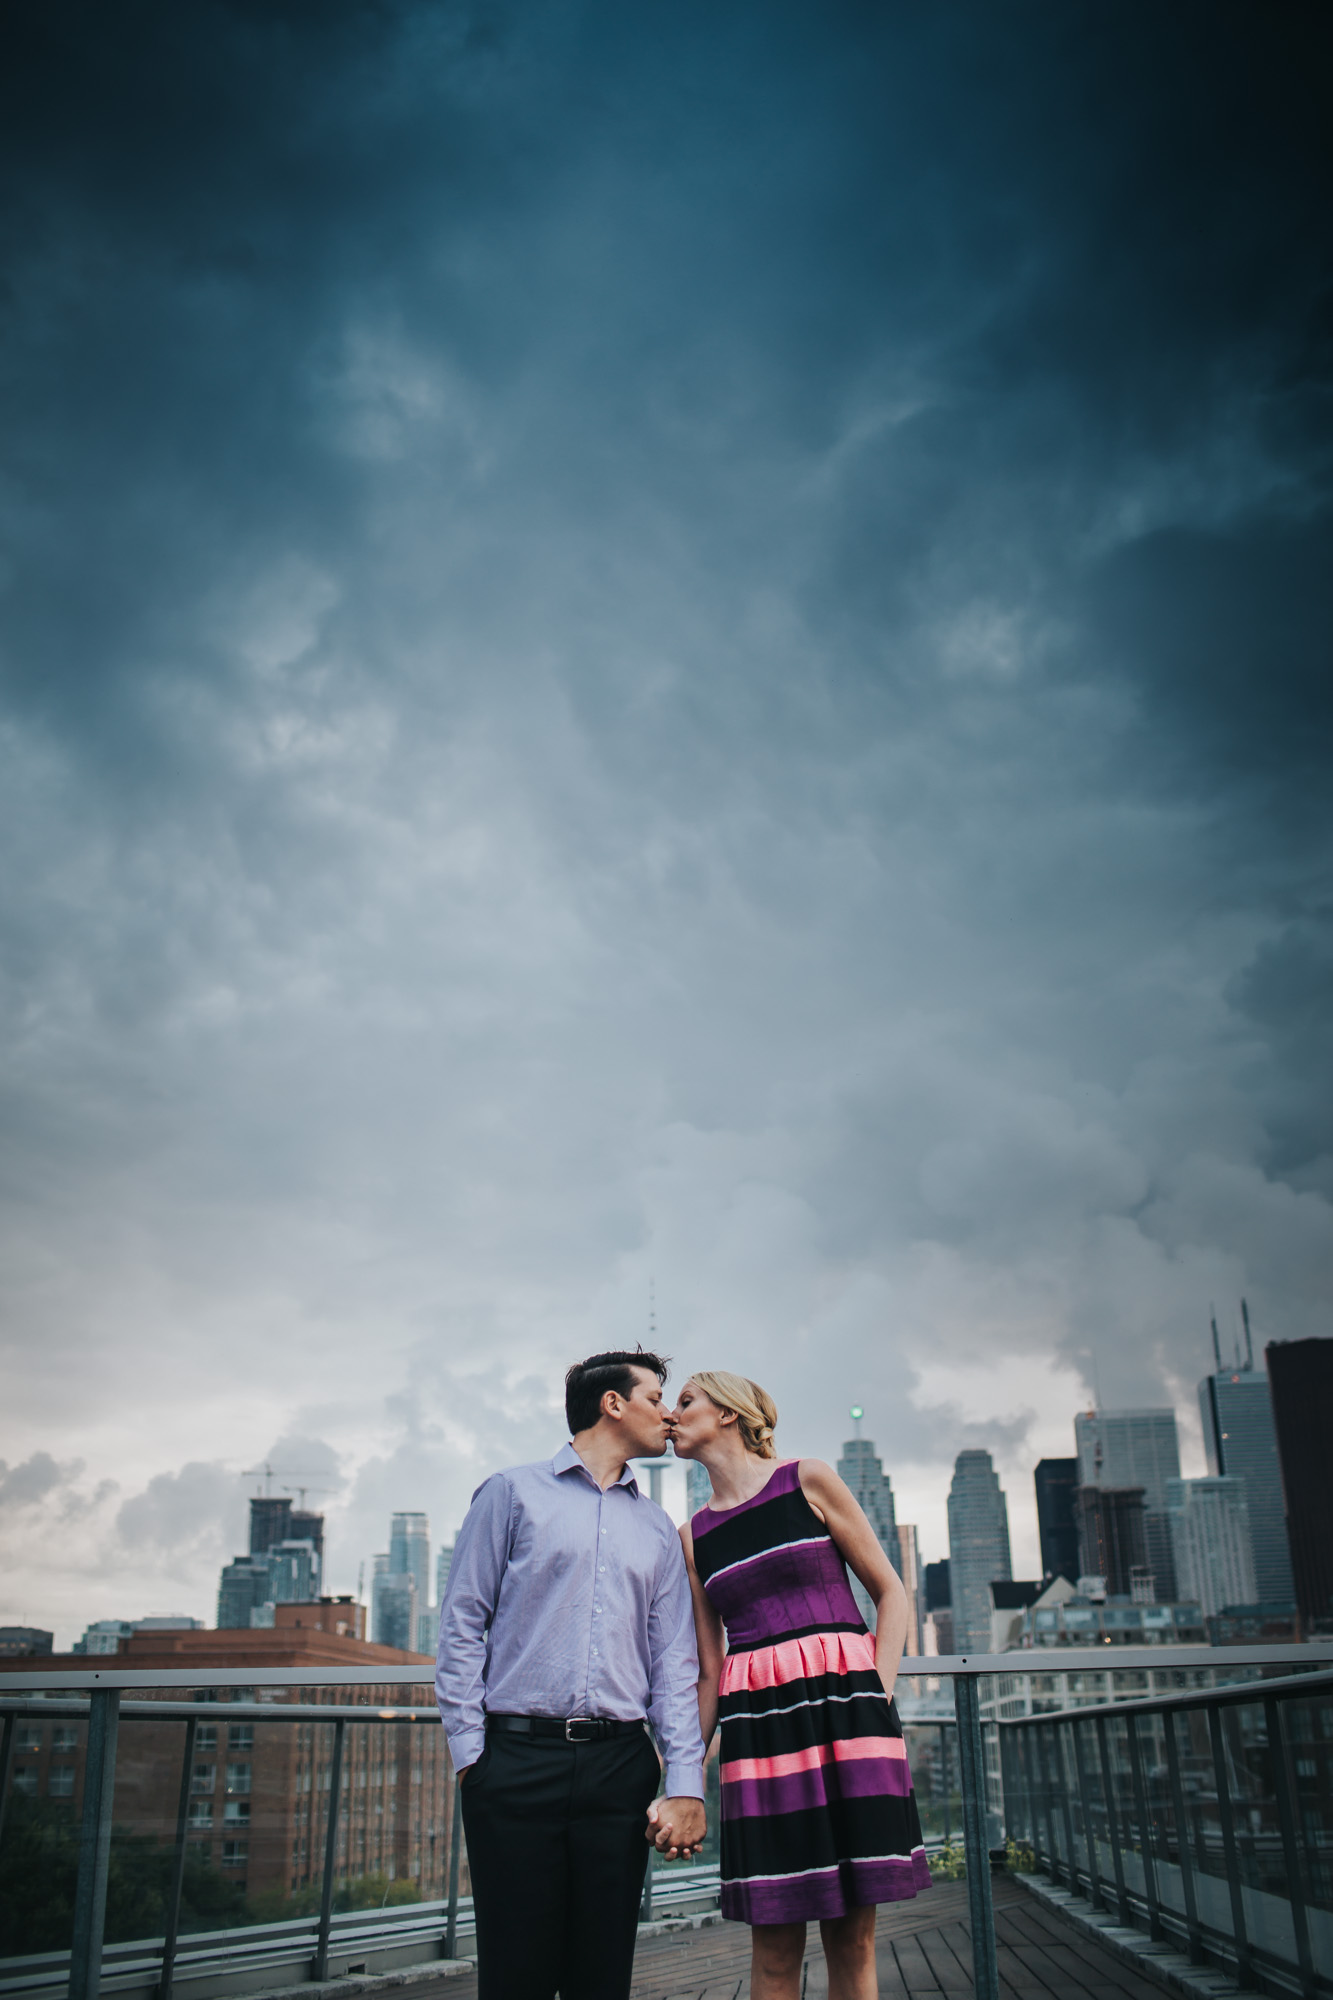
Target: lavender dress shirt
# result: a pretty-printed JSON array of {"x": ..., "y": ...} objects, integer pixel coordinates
[{"x": 567, "y": 1600}]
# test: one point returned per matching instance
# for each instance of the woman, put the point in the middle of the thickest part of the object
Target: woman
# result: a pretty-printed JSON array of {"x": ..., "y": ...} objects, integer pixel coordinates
[{"x": 818, "y": 1818}]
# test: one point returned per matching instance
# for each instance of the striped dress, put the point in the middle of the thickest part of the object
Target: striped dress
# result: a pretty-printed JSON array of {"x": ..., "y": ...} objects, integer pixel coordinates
[{"x": 817, "y": 1807}]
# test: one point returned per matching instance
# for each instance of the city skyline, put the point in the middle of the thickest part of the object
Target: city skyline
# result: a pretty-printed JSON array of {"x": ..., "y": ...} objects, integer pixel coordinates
[{"x": 352, "y": 1564}]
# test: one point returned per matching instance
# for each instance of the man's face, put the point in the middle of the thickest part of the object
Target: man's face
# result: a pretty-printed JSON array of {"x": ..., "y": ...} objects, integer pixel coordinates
[{"x": 644, "y": 1417}]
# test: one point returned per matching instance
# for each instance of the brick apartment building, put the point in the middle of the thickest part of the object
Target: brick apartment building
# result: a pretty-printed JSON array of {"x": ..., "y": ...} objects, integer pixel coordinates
[{"x": 259, "y": 1790}]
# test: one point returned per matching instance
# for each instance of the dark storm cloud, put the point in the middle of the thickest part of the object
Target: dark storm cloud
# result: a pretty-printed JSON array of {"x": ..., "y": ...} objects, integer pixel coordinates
[{"x": 655, "y": 640}]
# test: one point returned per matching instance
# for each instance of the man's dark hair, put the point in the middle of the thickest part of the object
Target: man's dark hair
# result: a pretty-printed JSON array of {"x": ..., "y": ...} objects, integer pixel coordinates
[{"x": 588, "y": 1381}]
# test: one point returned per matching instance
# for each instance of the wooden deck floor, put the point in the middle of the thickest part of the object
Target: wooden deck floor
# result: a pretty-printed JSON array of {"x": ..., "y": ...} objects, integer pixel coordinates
[{"x": 924, "y": 1954}]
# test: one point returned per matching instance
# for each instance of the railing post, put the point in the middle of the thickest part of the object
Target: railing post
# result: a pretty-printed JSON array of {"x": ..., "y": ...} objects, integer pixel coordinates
[
  {"x": 1112, "y": 1822},
  {"x": 1182, "y": 1839},
  {"x": 455, "y": 1843},
  {"x": 1008, "y": 1780},
  {"x": 173, "y": 1913},
  {"x": 330, "y": 1854},
  {"x": 1291, "y": 1855},
  {"x": 1145, "y": 1828},
  {"x": 985, "y": 1966},
  {"x": 1095, "y": 1896},
  {"x": 99, "y": 1784},
  {"x": 1244, "y": 1964},
  {"x": 6, "y": 1745},
  {"x": 944, "y": 1766}
]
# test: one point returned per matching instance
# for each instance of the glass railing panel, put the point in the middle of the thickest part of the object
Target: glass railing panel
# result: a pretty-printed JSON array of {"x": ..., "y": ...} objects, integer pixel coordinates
[
  {"x": 1309, "y": 1731},
  {"x": 39, "y": 1843},
  {"x": 1128, "y": 1833}
]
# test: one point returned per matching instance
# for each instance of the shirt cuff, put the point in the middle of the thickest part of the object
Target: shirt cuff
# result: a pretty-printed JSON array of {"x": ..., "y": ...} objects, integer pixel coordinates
[
  {"x": 466, "y": 1747},
  {"x": 684, "y": 1781}
]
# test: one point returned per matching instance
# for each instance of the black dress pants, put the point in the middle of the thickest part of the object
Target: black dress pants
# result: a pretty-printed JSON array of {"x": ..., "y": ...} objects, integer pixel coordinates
[{"x": 556, "y": 1847}]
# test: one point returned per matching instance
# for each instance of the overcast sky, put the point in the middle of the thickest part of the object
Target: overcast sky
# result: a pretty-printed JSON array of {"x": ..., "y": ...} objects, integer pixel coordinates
[{"x": 666, "y": 644}]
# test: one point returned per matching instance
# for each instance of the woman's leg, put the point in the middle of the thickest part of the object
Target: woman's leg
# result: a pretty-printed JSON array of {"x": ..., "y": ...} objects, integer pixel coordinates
[
  {"x": 849, "y": 1948},
  {"x": 776, "y": 1951}
]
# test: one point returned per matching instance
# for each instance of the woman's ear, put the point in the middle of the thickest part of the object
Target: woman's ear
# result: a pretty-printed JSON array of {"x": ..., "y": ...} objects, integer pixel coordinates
[{"x": 725, "y": 1417}]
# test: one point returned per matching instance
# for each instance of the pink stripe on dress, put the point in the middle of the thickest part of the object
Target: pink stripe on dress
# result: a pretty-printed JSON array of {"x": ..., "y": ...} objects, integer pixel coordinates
[
  {"x": 798, "y": 1659},
  {"x": 842, "y": 1750}
]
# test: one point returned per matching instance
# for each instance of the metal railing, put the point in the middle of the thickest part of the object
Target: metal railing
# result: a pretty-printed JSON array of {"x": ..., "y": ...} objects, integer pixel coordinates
[
  {"x": 244, "y": 1960},
  {"x": 1206, "y": 1817}
]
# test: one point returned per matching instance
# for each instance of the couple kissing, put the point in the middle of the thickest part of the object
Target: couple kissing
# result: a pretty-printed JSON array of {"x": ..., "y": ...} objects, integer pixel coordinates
[{"x": 589, "y": 1652}]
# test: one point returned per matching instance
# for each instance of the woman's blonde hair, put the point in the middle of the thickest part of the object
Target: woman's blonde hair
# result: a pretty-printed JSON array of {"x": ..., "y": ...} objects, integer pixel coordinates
[{"x": 756, "y": 1412}]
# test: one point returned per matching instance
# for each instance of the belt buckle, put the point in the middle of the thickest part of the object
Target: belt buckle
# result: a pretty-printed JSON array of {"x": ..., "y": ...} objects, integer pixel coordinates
[{"x": 571, "y": 1720}]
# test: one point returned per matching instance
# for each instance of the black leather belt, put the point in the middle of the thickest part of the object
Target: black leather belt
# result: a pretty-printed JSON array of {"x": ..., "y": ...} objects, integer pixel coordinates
[{"x": 591, "y": 1728}]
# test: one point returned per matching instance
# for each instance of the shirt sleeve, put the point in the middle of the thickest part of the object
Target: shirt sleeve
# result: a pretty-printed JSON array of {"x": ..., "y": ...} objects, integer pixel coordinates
[
  {"x": 480, "y": 1553},
  {"x": 673, "y": 1702}
]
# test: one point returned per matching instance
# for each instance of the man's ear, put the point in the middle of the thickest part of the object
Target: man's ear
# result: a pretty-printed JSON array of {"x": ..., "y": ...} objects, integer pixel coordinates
[{"x": 613, "y": 1404}]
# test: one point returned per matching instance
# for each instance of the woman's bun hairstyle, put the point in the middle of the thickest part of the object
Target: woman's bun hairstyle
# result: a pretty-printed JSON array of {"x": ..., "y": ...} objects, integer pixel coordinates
[{"x": 755, "y": 1411}]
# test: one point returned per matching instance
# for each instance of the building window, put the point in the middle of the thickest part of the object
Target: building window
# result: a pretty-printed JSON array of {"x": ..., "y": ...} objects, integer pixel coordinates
[
  {"x": 202, "y": 1778},
  {"x": 28, "y": 1736},
  {"x": 25, "y": 1780},
  {"x": 237, "y": 1812},
  {"x": 201, "y": 1813},
  {"x": 60, "y": 1781},
  {"x": 206, "y": 1736},
  {"x": 235, "y": 1853},
  {"x": 238, "y": 1777},
  {"x": 65, "y": 1739},
  {"x": 241, "y": 1736},
  {"x": 202, "y": 1850}
]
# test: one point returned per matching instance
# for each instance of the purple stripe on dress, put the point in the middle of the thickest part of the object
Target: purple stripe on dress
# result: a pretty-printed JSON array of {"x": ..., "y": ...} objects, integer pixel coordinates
[
  {"x": 857, "y": 1778},
  {"x": 783, "y": 1480},
  {"x": 828, "y": 1892}
]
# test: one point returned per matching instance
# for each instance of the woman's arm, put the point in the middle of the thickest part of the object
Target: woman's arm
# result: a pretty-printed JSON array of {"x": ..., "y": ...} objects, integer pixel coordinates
[
  {"x": 856, "y": 1542},
  {"x": 710, "y": 1640}
]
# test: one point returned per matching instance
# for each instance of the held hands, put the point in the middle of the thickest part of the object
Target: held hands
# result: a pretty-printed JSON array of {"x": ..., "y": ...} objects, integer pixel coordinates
[{"x": 677, "y": 1827}]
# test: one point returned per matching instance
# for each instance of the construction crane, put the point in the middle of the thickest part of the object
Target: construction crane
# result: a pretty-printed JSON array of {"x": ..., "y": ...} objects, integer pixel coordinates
[{"x": 304, "y": 1482}]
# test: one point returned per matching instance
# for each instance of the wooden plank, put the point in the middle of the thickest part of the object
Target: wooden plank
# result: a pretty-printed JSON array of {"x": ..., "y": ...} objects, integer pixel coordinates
[
  {"x": 949, "y": 1958},
  {"x": 914, "y": 1967}
]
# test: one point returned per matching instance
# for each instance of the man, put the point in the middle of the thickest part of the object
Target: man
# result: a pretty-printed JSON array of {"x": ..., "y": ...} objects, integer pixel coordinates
[{"x": 566, "y": 1622}]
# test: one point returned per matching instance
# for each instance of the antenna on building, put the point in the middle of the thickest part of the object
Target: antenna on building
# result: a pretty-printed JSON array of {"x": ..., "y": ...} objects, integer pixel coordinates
[
  {"x": 1217, "y": 1345},
  {"x": 1249, "y": 1343},
  {"x": 856, "y": 1413},
  {"x": 1096, "y": 1381}
]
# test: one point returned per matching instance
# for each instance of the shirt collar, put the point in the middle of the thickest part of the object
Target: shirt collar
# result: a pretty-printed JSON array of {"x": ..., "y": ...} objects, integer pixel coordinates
[{"x": 568, "y": 1460}]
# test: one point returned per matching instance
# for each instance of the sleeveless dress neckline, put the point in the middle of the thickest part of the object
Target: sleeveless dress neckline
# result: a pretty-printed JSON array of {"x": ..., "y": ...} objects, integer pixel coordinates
[
  {"x": 818, "y": 1814},
  {"x": 708, "y": 1507}
]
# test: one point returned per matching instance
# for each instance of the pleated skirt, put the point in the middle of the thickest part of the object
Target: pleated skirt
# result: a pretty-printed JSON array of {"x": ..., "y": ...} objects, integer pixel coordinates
[{"x": 818, "y": 1815}]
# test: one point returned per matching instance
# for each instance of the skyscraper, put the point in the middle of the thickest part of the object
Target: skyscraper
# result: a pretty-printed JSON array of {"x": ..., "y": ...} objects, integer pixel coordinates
[
  {"x": 275, "y": 1523},
  {"x": 1210, "y": 1535},
  {"x": 1124, "y": 1448},
  {"x": 938, "y": 1613},
  {"x": 396, "y": 1611},
  {"x": 978, "y": 1547},
  {"x": 409, "y": 1551},
  {"x": 1056, "y": 1480},
  {"x": 1300, "y": 1373},
  {"x": 444, "y": 1562},
  {"x": 911, "y": 1576},
  {"x": 863, "y": 1472},
  {"x": 698, "y": 1486},
  {"x": 1241, "y": 1443},
  {"x": 1111, "y": 1540}
]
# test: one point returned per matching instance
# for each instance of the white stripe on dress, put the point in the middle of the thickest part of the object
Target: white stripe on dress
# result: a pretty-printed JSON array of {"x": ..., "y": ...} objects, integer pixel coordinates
[{"x": 806, "y": 1542}]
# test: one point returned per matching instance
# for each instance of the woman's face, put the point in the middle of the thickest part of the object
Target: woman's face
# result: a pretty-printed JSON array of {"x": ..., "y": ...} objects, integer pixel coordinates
[{"x": 695, "y": 1421}]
